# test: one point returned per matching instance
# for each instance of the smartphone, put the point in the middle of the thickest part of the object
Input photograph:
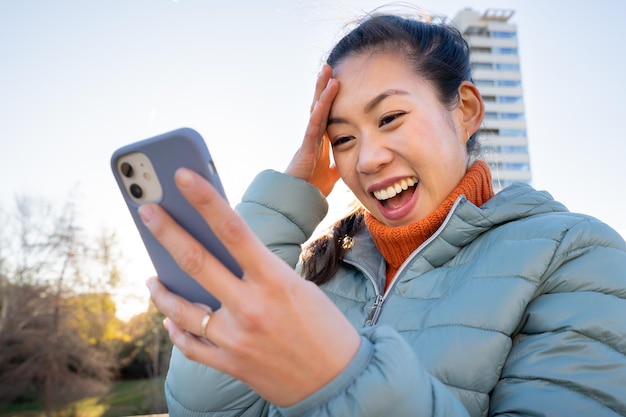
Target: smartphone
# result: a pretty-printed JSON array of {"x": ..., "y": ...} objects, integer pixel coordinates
[{"x": 144, "y": 172}]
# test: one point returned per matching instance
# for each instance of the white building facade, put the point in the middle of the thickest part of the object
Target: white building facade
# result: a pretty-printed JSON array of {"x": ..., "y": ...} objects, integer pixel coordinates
[{"x": 495, "y": 61}]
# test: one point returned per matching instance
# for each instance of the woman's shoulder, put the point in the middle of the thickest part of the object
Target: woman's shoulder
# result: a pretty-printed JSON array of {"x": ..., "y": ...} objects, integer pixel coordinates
[
  {"x": 521, "y": 206},
  {"x": 526, "y": 228},
  {"x": 574, "y": 250}
]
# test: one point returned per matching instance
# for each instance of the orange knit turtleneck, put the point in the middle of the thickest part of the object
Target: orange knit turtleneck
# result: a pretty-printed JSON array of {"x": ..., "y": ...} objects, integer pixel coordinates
[{"x": 397, "y": 243}]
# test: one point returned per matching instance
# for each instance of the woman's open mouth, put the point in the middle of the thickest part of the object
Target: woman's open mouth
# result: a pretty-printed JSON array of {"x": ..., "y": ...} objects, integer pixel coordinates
[{"x": 398, "y": 194}]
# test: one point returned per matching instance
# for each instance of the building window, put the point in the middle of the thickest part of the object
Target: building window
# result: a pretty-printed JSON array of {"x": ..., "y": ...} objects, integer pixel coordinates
[
  {"x": 507, "y": 67},
  {"x": 511, "y": 166},
  {"x": 492, "y": 115},
  {"x": 507, "y": 35},
  {"x": 484, "y": 83},
  {"x": 511, "y": 116},
  {"x": 482, "y": 65},
  {"x": 516, "y": 166},
  {"x": 509, "y": 83},
  {"x": 517, "y": 133},
  {"x": 509, "y": 99},
  {"x": 508, "y": 149},
  {"x": 514, "y": 149},
  {"x": 505, "y": 51}
]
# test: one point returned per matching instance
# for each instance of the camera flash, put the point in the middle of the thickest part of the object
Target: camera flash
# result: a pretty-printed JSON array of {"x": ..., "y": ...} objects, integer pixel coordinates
[{"x": 146, "y": 176}]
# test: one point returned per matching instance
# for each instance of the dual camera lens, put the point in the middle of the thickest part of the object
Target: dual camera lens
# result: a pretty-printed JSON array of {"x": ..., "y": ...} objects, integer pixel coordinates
[{"x": 128, "y": 171}]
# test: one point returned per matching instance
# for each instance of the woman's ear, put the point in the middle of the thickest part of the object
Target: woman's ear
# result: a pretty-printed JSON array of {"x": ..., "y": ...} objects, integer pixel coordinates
[{"x": 471, "y": 108}]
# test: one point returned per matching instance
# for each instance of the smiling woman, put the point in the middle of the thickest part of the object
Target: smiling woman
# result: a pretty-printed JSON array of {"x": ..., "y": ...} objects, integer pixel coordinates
[
  {"x": 79, "y": 79},
  {"x": 433, "y": 297}
]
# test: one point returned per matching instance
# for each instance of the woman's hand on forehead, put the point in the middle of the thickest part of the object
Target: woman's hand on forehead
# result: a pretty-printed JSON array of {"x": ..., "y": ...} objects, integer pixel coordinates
[{"x": 312, "y": 161}]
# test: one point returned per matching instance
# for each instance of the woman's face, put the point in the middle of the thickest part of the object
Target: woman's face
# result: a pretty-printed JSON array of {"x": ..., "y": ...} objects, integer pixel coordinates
[{"x": 398, "y": 149}]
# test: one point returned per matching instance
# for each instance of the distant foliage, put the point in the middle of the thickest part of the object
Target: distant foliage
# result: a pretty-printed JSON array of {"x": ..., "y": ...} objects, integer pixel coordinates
[
  {"x": 59, "y": 336},
  {"x": 147, "y": 353}
]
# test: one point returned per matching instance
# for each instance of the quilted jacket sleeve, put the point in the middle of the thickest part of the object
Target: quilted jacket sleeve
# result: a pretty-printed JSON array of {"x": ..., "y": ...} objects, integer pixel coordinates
[
  {"x": 384, "y": 379},
  {"x": 569, "y": 357},
  {"x": 196, "y": 390},
  {"x": 283, "y": 211}
]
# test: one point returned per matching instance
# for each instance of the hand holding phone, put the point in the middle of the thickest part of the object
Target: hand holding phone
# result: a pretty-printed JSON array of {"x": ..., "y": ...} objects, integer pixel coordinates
[{"x": 144, "y": 172}]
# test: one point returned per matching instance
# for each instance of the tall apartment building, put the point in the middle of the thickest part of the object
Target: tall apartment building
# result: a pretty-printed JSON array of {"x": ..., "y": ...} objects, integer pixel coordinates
[{"x": 495, "y": 61}]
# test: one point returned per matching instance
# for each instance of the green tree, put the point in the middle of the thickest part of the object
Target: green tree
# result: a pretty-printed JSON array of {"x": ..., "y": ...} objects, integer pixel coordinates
[{"x": 147, "y": 353}]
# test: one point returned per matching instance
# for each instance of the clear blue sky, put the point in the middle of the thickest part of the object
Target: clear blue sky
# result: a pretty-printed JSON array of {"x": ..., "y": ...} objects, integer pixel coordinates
[{"x": 79, "y": 79}]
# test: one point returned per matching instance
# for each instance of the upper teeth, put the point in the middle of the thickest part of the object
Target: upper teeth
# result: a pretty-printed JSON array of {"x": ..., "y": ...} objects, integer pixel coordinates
[{"x": 395, "y": 189}]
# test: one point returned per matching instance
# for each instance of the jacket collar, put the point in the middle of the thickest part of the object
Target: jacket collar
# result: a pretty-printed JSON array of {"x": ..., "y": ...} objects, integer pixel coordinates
[{"x": 464, "y": 224}]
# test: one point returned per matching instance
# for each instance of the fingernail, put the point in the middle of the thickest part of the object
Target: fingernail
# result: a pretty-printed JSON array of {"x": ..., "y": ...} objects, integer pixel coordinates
[
  {"x": 146, "y": 213},
  {"x": 184, "y": 178}
]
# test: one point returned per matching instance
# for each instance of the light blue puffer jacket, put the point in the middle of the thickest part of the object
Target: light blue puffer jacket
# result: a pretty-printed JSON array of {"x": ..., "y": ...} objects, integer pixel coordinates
[{"x": 514, "y": 308}]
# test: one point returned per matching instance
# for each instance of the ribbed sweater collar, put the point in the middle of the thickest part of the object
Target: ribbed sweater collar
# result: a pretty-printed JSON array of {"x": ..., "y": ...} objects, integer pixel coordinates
[{"x": 397, "y": 243}]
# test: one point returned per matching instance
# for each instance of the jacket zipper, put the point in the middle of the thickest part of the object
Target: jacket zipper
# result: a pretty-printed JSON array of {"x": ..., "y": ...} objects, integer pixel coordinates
[
  {"x": 372, "y": 317},
  {"x": 375, "y": 310}
]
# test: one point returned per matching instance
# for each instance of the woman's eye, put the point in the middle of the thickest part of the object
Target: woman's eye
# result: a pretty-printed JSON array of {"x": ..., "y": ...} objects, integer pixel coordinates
[
  {"x": 388, "y": 118},
  {"x": 341, "y": 140}
]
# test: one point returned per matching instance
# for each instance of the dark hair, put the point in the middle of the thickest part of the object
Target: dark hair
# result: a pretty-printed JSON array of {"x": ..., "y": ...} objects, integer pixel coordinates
[{"x": 438, "y": 53}]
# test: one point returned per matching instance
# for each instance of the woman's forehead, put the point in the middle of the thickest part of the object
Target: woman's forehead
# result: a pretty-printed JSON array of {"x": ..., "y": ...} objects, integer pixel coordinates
[{"x": 364, "y": 77}]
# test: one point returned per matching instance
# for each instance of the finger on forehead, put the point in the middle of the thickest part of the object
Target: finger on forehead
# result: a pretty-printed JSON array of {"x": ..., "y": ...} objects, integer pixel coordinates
[
  {"x": 228, "y": 226},
  {"x": 190, "y": 255},
  {"x": 320, "y": 84},
  {"x": 319, "y": 116}
]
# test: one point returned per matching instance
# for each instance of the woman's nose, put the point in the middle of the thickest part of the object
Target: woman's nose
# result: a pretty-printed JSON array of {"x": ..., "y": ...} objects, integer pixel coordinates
[{"x": 373, "y": 154}]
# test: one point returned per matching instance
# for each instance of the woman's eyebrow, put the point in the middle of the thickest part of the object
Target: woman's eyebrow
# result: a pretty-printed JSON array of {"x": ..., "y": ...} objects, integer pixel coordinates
[
  {"x": 379, "y": 98},
  {"x": 335, "y": 120},
  {"x": 371, "y": 105}
]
